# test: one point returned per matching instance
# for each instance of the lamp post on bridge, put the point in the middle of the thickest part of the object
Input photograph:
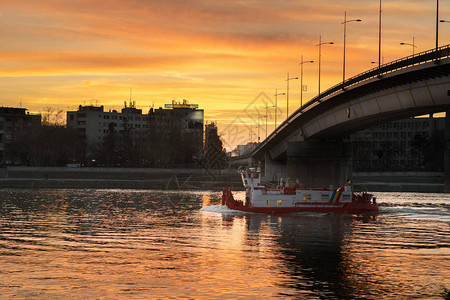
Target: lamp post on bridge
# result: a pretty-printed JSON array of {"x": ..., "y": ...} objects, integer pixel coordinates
[
  {"x": 276, "y": 105},
  {"x": 437, "y": 29},
  {"x": 259, "y": 117},
  {"x": 345, "y": 34},
  {"x": 267, "y": 106},
  {"x": 320, "y": 55},
  {"x": 287, "y": 94},
  {"x": 408, "y": 44},
  {"x": 379, "y": 38},
  {"x": 301, "y": 79}
]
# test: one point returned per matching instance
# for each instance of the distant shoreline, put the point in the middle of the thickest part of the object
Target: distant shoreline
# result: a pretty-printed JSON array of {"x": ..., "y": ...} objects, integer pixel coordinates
[
  {"x": 118, "y": 178},
  {"x": 193, "y": 179}
]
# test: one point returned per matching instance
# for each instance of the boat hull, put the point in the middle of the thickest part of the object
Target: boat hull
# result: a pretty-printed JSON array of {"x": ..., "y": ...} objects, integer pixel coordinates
[{"x": 316, "y": 207}]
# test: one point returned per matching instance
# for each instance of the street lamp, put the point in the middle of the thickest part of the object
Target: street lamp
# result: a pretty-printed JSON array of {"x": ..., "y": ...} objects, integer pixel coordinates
[
  {"x": 267, "y": 106},
  {"x": 444, "y": 21},
  {"x": 301, "y": 79},
  {"x": 287, "y": 93},
  {"x": 379, "y": 38},
  {"x": 345, "y": 32},
  {"x": 259, "y": 117},
  {"x": 437, "y": 28},
  {"x": 378, "y": 62},
  {"x": 276, "y": 105},
  {"x": 320, "y": 54},
  {"x": 408, "y": 44}
]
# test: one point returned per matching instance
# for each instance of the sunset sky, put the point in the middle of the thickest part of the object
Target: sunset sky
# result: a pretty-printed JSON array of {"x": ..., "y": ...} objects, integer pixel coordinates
[{"x": 218, "y": 54}]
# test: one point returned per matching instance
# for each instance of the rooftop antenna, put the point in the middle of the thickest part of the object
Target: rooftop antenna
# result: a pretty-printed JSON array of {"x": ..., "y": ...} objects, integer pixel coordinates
[{"x": 131, "y": 90}]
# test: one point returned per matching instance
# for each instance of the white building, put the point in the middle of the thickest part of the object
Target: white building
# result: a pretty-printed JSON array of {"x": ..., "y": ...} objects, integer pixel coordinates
[{"x": 94, "y": 124}]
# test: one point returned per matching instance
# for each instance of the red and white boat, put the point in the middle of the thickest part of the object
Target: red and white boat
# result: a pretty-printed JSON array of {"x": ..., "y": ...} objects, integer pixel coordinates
[{"x": 291, "y": 199}]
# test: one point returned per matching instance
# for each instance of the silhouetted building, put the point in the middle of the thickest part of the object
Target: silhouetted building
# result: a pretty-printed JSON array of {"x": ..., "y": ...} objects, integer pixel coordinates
[
  {"x": 415, "y": 144},
  {"x": 94, "y": 124},
  {"x": 176, "y": 133},
  {"x": 14, "y": 121},
  {"x": 214, "y": 156},
  {"x": 162, "y": 138},
  {"x": 243, "y": 149}
]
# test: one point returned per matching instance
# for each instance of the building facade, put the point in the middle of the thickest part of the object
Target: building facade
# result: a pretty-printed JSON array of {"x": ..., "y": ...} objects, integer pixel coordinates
[
  {"x": 214, "y": 155},
  {"x": 415, "y": 144},
  {"x": 94, "y": 124},
  {"x": 13, "y": 122},
  {"x": 183, "y": 117},
  {"x": 175, "y": 131}
]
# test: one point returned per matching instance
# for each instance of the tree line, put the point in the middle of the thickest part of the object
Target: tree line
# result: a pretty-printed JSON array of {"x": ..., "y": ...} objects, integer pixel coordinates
[{"x": 53, "y": 144}]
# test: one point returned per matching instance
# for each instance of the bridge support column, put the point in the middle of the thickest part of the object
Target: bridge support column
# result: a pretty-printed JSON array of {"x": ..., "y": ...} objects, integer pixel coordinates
[
  {"x": 447, "y": 153},
  {"x": 319, "y": 163},
  {"x": 273, "y": 170}
]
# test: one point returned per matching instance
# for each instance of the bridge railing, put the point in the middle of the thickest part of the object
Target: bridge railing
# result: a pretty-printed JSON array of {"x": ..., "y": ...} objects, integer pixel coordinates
[
  {"x": 419, "y": 58},
  {"x": 405, "y": 62}
]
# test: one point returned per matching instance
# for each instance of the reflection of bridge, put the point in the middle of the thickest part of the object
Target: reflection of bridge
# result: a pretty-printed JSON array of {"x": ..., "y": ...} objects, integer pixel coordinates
[{"x": 309, "y": 144}]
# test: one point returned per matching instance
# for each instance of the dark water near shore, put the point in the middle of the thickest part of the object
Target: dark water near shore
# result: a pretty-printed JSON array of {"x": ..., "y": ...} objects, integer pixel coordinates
[{"x": 132, "y": 244}]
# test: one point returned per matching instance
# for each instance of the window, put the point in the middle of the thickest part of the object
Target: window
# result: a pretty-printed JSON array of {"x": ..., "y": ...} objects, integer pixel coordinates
[
  {"x": 269, "y": 202},
  {"x": 279, "y": 202},
  {"x": 307, "y": 197}
]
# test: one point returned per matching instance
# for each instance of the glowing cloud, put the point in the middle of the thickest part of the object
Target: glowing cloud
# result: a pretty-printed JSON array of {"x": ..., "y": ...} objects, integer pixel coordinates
[{"x": 220, "y": 55}]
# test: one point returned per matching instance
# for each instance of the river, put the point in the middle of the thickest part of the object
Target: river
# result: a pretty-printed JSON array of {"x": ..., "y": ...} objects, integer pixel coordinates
[{"x": 134, "y": 244}]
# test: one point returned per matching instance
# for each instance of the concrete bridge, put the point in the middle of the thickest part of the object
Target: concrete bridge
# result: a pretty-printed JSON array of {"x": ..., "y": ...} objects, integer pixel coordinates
[{"x": 311, "y": 145}]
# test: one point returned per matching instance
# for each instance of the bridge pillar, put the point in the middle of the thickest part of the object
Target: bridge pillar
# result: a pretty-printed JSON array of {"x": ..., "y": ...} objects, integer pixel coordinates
[
  {"x": 447, "y": 153},
  {"x": 273, "y": 170},
  {"x": 319, "y": 163}
]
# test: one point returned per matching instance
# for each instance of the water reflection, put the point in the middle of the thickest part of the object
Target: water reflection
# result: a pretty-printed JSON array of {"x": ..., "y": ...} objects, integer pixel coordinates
[
  {"x": 306, "y": 249},
  {"x": 158, "y": 244},
  {"x": 345, "y": 257}
]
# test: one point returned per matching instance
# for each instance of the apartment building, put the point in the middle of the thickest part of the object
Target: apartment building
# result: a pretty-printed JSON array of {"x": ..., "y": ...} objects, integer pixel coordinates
[
  {"x": 13, "y": 122},
  {"x": 406, "y": 145}
]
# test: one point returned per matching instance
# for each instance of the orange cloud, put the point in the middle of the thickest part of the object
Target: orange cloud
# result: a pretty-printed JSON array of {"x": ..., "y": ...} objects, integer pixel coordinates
[{"x": 218, "y": 54}]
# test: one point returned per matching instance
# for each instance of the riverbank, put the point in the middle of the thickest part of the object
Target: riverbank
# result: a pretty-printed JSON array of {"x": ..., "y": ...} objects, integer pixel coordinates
[
  {"x": 193, "y": 179},
  {"x": 118, "y": 178},
  {"x": 421, "y": 182}
]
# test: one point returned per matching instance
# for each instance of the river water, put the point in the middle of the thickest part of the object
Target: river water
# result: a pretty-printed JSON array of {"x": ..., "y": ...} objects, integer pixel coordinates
[{"x": 133, "y": 244}]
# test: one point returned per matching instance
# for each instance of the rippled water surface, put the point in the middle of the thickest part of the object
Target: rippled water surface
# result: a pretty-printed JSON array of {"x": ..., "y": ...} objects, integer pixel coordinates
[{"x": 129, "y": 244}]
